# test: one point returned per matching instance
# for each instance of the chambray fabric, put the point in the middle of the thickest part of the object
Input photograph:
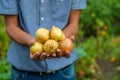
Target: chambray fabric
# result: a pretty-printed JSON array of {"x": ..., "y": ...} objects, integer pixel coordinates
[{"x": 34, "y": 14}]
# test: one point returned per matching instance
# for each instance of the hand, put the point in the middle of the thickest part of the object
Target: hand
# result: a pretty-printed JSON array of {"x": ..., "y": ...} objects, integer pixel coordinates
[
  {"x": 37, "y": 55},
  {"x": 56, "y": 54},
  {"x": 67, "y": 53},
  {"x": 44, "y": 55}
]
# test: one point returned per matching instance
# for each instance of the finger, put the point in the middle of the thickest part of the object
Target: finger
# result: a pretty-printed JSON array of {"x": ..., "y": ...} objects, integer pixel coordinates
[
  {"x": 58, "y": 53},
  {"x": 48, "y": 55},
  {"x": 31, "y": 55},
  {"x": 72, "y": 38},
  {"x": 34, "y": 56},
  {"x": 43, "y": 56},
  {"x": 67, "y": 54},
  {"x": 53, "y": 55}
]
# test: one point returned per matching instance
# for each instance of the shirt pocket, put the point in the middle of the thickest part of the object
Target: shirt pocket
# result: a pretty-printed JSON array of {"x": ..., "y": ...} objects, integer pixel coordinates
[
  {"x": 58, "y": 10},
  {"x": 58, "y": 4}
]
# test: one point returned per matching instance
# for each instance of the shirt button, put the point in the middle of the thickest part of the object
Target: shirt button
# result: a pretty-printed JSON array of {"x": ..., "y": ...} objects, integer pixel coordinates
[
  {"x": 42, "y": 1},
  {"x": 62, "y": 0},
  {"x": 42, "y": 18}
]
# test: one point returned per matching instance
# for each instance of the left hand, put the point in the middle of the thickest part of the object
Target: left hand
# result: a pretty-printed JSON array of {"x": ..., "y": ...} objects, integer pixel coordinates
[{"x": 67, "y": 53}]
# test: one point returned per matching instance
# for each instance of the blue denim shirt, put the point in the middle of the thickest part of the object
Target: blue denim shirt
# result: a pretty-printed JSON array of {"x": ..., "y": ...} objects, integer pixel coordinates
[{"x": 34, "y": 14}]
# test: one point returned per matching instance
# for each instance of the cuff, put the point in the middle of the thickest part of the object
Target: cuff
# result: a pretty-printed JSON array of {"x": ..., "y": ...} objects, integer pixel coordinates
[
  {"x": 79, "y": 4},
  {"x": 8, "y": 12}
]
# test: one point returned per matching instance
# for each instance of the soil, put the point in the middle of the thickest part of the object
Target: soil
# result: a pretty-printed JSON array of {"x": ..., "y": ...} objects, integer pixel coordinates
[{"x": 108, "y": 70}]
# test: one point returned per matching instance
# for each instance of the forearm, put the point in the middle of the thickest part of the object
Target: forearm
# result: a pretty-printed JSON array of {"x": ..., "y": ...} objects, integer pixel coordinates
[
  {"x": 15, "y": 33},
  {"x": 19, "y": 36},
  {"x": 72, "y": 27},
  {"x": 71, "y": 30}
]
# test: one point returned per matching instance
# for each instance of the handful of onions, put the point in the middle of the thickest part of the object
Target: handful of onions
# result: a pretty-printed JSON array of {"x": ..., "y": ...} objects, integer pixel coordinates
[{"x": 50, "y": 40}]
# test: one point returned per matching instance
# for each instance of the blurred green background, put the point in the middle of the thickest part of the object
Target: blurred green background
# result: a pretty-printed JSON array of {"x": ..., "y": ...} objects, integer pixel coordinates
[{"x": 97, "y": 43}]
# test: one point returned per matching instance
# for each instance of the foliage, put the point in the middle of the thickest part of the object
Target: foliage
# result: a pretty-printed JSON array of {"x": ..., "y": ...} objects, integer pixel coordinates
[
  {"x": 96, "y": 38},
  {"x": 108, "y": 50},
  {"x": 4, "y": 40},
  {"x": 4, "y": 70},
  {"x": 101, "y": 13},
  {"x": 4, "y": 45},
  {"x": 85, "y": 65}
]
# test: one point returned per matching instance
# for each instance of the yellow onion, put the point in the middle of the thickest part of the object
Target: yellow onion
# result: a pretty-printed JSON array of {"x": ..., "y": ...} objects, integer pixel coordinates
[
  {"x": 56, "y": 34},
  {"x": 42, "y": 35},
  {"x": 36, "y": 48},
  {"x": 50, "y": 46},
  {"x": 66, "y": 45}
]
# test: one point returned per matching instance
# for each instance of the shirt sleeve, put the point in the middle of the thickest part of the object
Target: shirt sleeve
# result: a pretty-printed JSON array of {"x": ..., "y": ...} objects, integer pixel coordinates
[
  {"x": 79, "y": 4},
  {"x": 8, "y": 7}
]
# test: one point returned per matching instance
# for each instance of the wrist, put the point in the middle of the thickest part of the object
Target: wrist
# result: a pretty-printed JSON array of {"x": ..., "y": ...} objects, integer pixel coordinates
[
  {"x": 31, "y": 42},
  {"x": 72, "y": 38}
]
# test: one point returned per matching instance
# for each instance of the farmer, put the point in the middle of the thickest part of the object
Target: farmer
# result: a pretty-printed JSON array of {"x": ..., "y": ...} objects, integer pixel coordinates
[{"x": 23, "y": 18}]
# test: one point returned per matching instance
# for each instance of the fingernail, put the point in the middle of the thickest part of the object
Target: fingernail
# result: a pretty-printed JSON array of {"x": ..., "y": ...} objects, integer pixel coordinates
[
  {"x": 59, "y": 54},
  {"x": 48, "y": 55},
  {"x": 54, "y": 55},
  {"x": 43, "y": 56},
  {"x": 67, "y": 51},
  {"x": 58, "y": 50}
]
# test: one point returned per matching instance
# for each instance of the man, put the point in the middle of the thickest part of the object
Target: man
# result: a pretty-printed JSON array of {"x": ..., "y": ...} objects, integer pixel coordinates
[{"x": 23, "y": 18}]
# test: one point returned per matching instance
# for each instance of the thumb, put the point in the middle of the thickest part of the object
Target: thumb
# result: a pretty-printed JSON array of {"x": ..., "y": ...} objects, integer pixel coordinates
[
  {"x": 72, "y": 38},
  {"x": 67, "y": 54},
  {"x": 31, "y": 42}
]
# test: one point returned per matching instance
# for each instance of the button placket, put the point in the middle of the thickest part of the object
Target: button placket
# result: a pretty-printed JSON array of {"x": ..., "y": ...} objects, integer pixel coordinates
[{"x": 42, "y": 18}]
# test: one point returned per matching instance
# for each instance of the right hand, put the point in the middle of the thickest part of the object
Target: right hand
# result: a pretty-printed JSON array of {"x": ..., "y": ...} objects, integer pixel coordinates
[
  {"x": 43, "y": 55},
  {"x": 36, "y": 56},
  {"x": 67, "y": 53}
]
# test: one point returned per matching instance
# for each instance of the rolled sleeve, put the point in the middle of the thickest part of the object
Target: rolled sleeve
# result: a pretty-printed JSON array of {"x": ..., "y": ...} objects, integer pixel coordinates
[
  {"x": 8, "y": 7},
  {"x": 79, "y": 4}
]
